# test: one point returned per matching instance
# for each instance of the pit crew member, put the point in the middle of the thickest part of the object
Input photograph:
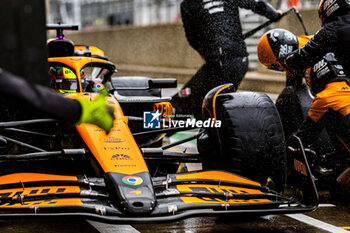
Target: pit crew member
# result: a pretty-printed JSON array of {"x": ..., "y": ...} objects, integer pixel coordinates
[
  {"x": 330, "y": 86},
  {"x": 330, "y": 109},
  {"x": 334, "y": 36},
  {"x": 214, "y": 30}
]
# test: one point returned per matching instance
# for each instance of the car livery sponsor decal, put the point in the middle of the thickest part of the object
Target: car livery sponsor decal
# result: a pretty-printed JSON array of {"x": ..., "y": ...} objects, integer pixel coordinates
[
  {"x": 121, "y": 157},
  {"x": 300, "y": 167},
  {"x": 165, "y": 108},
  {"x": 56, "y": 202},
  {"x": 116, "y": 148},
  {"x": 75, "y": 59},
  {"x": 38, "y": 191},
  {"x": 136, "y": 192},
  {"x": 125, "y": 165},
  {"x": 210, "y": 189},
  {"x": 114, "y": 140},
  {"x": 132, "y": 180}
]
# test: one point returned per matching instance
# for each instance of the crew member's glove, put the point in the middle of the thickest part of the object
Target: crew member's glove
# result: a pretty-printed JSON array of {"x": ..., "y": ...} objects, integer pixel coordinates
[
  {"x": 97, "y": 112},
  {"x": 282, "y": 61},
  {"x": 291, "y": 72},
  {"x": 278, "y": 16}
]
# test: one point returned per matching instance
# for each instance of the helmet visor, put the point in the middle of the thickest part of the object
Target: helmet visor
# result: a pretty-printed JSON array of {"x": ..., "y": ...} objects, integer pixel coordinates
[
  {"x": 63, "y": 80},
  {"x": 66, "y": 84}
]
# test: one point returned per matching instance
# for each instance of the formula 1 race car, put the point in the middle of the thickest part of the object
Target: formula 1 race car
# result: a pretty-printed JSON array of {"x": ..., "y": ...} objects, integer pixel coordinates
[{"x": 53, "y": 169}]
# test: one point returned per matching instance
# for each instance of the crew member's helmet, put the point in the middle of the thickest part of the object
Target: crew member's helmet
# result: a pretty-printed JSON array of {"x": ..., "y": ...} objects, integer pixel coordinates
[
  {"x": 63, "y": 80},
  {"x": 323, "y": 72},
  {"x": 276, "y": 43},
  {"x": 330, "y": 9}
]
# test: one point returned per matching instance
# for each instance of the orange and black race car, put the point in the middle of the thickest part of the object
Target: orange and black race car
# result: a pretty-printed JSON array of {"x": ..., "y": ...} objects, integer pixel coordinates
[{"x": 53, "y": 169}]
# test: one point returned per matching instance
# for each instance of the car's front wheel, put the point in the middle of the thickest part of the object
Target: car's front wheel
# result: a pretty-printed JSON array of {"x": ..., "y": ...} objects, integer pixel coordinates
[{"x": 251, "y": 137}]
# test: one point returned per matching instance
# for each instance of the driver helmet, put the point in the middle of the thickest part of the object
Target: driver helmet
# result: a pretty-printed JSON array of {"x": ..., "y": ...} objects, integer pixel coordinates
[
  {"x": 330, "y": 9},
  {"x": 63, "y": 80},
  {"x": 323, "y": 72},
  {"x": 274, "y": 44}
]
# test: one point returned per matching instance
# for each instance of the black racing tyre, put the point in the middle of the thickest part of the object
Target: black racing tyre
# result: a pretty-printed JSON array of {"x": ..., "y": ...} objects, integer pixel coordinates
[
  {"x": 339, "y": 194},
  {"x": 252, "y": 137},
  {"x": 293, "y": 105}
]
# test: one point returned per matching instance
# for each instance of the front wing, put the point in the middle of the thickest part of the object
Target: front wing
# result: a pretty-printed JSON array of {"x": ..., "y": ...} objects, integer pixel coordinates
[{"x": 178, "y": 196}]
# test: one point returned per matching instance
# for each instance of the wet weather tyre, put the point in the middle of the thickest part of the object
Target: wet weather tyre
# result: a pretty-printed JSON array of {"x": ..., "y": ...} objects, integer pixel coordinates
[
  {"x": 339, "y": 193},
  {"x": 252, "y": 137},
  {"x": 293, "y": 105}
]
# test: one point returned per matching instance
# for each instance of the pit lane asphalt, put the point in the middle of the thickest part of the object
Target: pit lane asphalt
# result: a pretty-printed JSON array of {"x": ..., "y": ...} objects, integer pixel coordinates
[
  {"x": 324, "y": 219},
  {"x": 327, "y": 218}
]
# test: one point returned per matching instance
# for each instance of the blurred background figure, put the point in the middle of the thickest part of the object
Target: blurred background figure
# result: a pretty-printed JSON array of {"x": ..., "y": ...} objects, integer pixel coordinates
[
  {"x": 213, "y": 29},
  {"x": 293, "y": 3}
]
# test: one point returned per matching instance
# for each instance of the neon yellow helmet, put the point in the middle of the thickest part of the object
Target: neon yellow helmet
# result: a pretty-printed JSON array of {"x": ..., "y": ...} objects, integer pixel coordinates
[{"x": 63, "y": 80}]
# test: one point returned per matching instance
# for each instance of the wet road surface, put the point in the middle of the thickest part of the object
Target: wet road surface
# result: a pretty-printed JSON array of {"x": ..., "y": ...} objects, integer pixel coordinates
[{"x": 329, "y": 219}]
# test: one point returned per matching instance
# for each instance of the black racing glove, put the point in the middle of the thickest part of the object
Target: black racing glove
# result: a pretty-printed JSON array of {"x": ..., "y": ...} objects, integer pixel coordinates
[{"x": 293, "y": 72}]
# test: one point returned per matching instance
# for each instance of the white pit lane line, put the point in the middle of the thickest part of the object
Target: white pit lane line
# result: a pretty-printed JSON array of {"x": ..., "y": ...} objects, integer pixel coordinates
[
  {"x": 112, "y": 228},
  {"x": 316, "y": 223},
  {"x": 326, "y": 205}
]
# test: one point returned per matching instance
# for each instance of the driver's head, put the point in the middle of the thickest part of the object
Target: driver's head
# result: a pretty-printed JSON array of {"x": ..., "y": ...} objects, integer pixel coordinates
[
  {"x": 274, "y": 44},
  {"x": 324, "y": 71},
  {"x": 63, "y": 80}
]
